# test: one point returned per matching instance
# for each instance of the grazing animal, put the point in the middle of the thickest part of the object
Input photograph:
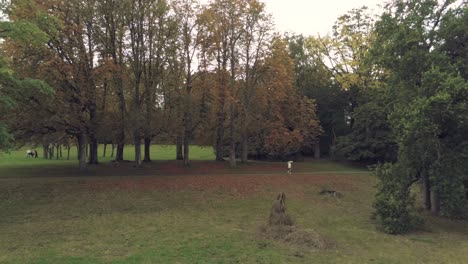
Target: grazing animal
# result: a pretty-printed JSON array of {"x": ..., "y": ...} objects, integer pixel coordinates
[
  {"x": 29, "y": 154},
  {"x": 35, "y": 154}
]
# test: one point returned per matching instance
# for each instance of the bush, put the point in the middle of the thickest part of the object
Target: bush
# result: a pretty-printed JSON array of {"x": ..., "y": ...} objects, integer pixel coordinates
[{"x": 394, "y": 202}]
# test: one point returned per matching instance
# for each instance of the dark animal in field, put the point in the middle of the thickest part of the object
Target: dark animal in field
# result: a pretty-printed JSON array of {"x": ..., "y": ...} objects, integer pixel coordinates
[
  {"x": 331, "y": 192},
  {"x": 35, "y": 154}
]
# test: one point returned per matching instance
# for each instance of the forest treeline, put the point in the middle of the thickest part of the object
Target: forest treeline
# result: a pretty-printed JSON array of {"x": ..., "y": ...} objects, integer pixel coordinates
[
  {"x": 389, "y": 89},
  {"x": 132, "y": 72}
]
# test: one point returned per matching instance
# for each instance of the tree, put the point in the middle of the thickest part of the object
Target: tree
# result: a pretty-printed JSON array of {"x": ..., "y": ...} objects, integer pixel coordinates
[
  {"x": 394, "y": 202},
  {"x": 314, "y": 80},
  {"x": 432, "y": 139},
  {"x": 110, "y": 28},
  {"x": 371, "y": 139},
  {"x": 136, "y": 18},
  {"x": 6, "y": 103},
  {"x": 346, "y": 53},
  {"x": 12, "y": 89},
  {"x": 352, "y": 56},
  {"x": 159, "y": 35},
  {"x": 187, "y": 12},
  {"x": 429, "y": 101},
  {"x": 216, "y": 42},
  {"x": 291, "y": 123},
  {"x": 224, "y": 22},
  {"x": 253, "y": 49}
]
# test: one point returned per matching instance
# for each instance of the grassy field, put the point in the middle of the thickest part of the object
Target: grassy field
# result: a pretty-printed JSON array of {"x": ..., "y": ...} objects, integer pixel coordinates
[
  {"x": 18, "y": 158},
  {"x": 165, "y": 213},
  {"x": 16, "y": 164}
]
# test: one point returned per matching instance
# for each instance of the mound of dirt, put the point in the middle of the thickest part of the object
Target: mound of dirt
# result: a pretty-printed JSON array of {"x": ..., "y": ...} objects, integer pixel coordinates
[
  {"x": 308, "y": 239},
  {"x": 281, "y": 228}
]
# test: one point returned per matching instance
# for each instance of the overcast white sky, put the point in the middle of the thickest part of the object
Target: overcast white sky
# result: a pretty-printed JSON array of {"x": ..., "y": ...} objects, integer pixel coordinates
[{"x": 310, "y": 17}]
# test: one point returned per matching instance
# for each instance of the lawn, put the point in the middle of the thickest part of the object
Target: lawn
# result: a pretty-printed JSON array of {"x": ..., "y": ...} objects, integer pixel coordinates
[
  {"x": 18, "y": 158},
  {"x": 165, "y": 213}
]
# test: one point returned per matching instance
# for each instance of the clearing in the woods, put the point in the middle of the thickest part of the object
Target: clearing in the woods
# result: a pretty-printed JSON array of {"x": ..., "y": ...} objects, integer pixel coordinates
[{"x": 208, "y": 213}]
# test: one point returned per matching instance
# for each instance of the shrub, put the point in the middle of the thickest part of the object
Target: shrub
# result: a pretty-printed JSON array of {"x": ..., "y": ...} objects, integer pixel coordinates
[{"x": 394, "y": 201}]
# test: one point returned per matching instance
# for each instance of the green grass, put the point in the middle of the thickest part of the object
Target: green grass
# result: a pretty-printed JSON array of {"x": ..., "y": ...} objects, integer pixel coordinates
[
  {"x": 17, "y": 158},
  {"x": 73, "y": 220},
  {"x": 16, "y": 164}
]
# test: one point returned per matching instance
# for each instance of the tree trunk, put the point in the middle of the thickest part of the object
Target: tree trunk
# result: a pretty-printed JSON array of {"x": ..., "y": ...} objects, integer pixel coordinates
[
  {"x": 179, "y": 148},
  {"x": 104, "y": 151},
  {"x": 137, "y": 142},
  {"x": 112, "y": 150},
  {"x": 82, "y": 151},
  {"x": 435, "y": 203},
  {"x": 93, "y": 150},
  {"x": 232, "y": 150},
  {"x": 148, "y": 118},
  {"x": 426, "y": 192},
  {"x": 147, "y": 157},
  {"x": 45, "y": 151},
  {"x": 137, "y": 133},
  {"x": 51, "y": 152},
  {"x": 78, "y": 150},
  {"x": 60, "y": 148},
  {"x": 245, "y": 149},
  {"x": 232, "y": 147},
  {"x": 86, "y": 150},
  {"x": 221, "y": 118},
  {"x": 317, "y": 150},
  {"x": 148, "y": 114},
  {"x": 334, "y": 138},
  {"x": 186, "y": 153},
  {"x": 57, "y": 154},
  {"x": 68, "y": 152},
  {"x": 219, "y": 143},
  {"x": 150, "y": 82},
  {"x": 232, "y": 155},
  {"x": 187, "y": 131},
  {"x": 120, "y": 152},
  {"x": 91, "y": 129},
  {"x": 121, "y": 133},
  {"x": 136, "y": 116},
  {"x": 117, "y": 54}
]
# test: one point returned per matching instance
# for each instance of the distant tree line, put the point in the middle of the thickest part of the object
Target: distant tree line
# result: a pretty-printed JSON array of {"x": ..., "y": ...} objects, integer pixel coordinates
[{"x": 144, "y": 71}]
